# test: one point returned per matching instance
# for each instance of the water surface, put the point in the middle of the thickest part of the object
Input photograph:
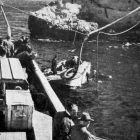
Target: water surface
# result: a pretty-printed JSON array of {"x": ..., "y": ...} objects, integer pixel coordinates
[{"x": 114, "y": 104}]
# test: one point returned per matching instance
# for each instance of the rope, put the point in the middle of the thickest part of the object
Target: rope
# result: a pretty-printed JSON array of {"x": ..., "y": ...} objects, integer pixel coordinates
[
  {"x": 122, "y": 31},
  {"x": 119, "y": 33},
  {"x": 29, "y": 13},
  {"x": 104, "y": 27},
  {"x": 6, "y": 5},
  {"x": 108, "y": 25},
  {"x": 97, "y": 63}
]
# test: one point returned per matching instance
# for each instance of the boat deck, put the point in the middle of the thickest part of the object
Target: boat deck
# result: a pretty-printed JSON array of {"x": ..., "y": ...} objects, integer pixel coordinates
[{"x": 42, "y": 126}]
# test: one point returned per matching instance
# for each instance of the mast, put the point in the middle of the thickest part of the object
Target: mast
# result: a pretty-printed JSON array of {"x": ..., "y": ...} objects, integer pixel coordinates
[{"x": 6, "y": 20}]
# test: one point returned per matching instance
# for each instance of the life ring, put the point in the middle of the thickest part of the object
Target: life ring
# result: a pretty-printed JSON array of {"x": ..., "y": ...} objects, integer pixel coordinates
[{"x": 68, "y": 73}]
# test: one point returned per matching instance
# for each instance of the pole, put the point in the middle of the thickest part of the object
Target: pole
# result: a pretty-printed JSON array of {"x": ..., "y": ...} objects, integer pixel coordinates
[
  {"x": 85, "y": 39},
  {"x": 7, "y": 23}
]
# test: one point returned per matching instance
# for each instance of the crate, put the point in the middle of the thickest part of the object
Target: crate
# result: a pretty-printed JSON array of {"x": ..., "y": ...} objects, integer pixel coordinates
[{"x": 19, "y": 110}]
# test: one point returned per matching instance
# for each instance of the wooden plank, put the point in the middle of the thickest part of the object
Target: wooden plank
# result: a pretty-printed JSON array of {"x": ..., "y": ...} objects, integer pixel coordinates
[
  {"x": 12, "y": 135},
  {"x": 42, "y": 126},
  {"x": 58, "y": 106},
  {"x": 16, "y": 69},
  {"x": 5, "y": 69}
]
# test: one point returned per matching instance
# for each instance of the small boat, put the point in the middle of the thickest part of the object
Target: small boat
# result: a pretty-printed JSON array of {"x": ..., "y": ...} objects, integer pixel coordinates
[{"x": 70, "y": 76}]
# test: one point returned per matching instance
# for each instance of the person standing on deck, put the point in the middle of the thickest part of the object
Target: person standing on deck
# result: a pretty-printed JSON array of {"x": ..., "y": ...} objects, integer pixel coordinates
[
  {"x": 24, "y": 46},
  {"x": 18, "y": 43},
  {"x": 2, "y": 49},
  {"x": 54, "y": 65},
  {"x": 63, "y": 123},
  {"x": 9, "y": 46}
]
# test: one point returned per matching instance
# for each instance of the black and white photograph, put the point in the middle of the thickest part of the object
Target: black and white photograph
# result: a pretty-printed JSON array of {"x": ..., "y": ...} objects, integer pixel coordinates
[{"x": 69, "y": 69}]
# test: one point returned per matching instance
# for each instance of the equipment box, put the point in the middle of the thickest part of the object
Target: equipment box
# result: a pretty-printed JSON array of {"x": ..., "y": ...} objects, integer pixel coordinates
[{"x": 19, "y": 110}]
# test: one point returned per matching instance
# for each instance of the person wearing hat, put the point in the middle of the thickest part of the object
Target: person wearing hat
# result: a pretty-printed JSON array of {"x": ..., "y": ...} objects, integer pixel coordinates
[
  {"x": 63, "y": 123},
  {"x": 79, "y": 131}
]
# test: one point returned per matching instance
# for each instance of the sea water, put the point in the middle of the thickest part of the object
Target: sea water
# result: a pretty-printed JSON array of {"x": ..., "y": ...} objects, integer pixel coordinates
[{"x": 113, "y": 103}]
